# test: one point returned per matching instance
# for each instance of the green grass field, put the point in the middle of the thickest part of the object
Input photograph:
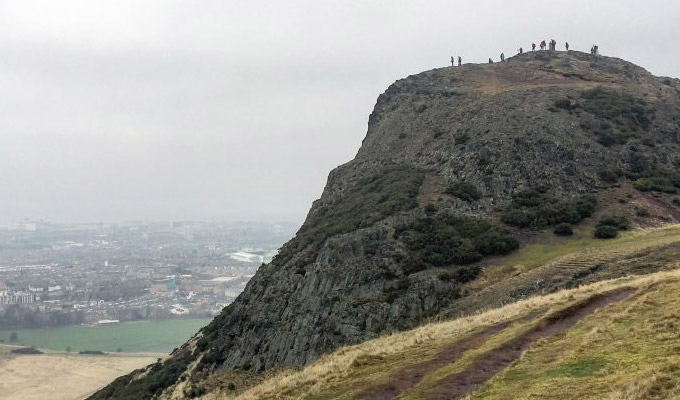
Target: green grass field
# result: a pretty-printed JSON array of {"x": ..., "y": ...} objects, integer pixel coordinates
[{"x": 143, "y": 336}]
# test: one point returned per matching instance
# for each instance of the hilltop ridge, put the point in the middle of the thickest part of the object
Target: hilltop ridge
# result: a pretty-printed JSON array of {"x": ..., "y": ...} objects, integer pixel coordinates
[{"x": 460, "y": 166}]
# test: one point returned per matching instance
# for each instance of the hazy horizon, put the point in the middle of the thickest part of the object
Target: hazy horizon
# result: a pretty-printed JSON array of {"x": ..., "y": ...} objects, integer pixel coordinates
[{"x": 170, "y": 110}]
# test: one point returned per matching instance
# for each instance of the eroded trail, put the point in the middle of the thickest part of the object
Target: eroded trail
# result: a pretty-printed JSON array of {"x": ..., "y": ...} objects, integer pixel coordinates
[
  {"x": 409, "y": 377},
  {"x": 485, "y": 366}
]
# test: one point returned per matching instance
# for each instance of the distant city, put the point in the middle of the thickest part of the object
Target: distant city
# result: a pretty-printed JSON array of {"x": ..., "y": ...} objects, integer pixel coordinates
[{"x": 67, "y": 274}]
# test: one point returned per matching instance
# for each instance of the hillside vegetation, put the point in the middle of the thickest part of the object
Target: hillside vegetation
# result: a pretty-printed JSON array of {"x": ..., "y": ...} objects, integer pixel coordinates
[{"x": 626, "y": 346}]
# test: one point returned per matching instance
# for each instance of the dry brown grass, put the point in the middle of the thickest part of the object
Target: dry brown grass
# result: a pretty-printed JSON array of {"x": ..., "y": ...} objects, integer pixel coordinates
[{"x": 62, "y": 376}]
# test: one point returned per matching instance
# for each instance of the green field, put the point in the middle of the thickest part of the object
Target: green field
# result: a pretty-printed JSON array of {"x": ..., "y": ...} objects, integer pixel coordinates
[{"x": 143, "y": 336}]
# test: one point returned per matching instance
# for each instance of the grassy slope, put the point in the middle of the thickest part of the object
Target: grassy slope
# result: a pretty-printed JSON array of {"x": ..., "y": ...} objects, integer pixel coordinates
[{"x": 627, "y": 350}]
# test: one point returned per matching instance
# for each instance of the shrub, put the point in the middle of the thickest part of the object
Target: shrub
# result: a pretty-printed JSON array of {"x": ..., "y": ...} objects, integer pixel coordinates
[
  {"x": 606, "y": 232},
  {"x": 563, "y": 229},
  {"x": 430, "y": 209},
  {"x": 641, "y": 212},
  {"x": 609, "y": 176},
  {"x": 618, "y": 221},
  {"x": 467, "y": 273},
  {"x": 518, "y": 218},
  {"x": 496, "y": 241},
  {"x": 464, "y": 191}
]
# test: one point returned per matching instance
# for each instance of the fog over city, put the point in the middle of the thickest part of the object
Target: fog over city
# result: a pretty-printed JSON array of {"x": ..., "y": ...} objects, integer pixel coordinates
[{"x": 172, "y": 110}]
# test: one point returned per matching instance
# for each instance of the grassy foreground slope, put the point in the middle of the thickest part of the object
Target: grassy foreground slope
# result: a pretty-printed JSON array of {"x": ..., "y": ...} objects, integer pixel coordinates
[{"x": 614, "y": 339}]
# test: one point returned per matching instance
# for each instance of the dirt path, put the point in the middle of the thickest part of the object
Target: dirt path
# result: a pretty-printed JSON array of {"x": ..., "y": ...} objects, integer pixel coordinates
[
  {"x": 489, "y": 364},
  {"x": 409, "y": 377}
]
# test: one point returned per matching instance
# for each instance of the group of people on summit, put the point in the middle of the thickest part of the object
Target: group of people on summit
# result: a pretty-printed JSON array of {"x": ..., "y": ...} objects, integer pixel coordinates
[{"x": 552, "y": 46}]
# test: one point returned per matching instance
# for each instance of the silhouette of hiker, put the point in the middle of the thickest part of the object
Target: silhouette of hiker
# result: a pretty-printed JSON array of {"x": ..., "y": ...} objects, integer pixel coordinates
[
  {"x": 553, "y": 45},
  {"x": 597, "y": 50},
  {"x": 533, "y": 47},
  {"x": 490, "y": 61},
  {"x": 460, "y": 61},
  {"x": 520, "y": 50},
  {"x": 502, "y": 57},
  {"x": 542, "y": 44},
  {"x": 452, "y": 62},
  {"x": 566, "y": 44}
]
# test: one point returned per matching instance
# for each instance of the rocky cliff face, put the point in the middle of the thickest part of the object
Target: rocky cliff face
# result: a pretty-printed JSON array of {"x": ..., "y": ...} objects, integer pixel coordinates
[{"x": 386, "y": 245}]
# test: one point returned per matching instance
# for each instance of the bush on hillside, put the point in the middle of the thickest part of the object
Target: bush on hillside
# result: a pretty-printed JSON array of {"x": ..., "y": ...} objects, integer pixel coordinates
[
  {"x": 518, "y": 218},
  {"x": 617, "y": 221},
  {"x": 606, "y": 232},
  {"x": 563, "y": 229},
  {"x": 467, "y": 273},
  {"x": 642, "y": 212},
  {"x": 609, "y": 175},
  {"x": 464, "y": 191},
  {"x": 535, "y": 208}
]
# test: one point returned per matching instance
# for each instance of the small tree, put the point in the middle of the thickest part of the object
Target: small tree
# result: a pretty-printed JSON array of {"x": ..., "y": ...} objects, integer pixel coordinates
[{"x": 13, "y": 337}]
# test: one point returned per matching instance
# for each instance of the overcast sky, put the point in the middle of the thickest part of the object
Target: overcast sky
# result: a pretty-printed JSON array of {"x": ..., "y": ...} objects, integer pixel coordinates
[{"x": 174, "y": 110}]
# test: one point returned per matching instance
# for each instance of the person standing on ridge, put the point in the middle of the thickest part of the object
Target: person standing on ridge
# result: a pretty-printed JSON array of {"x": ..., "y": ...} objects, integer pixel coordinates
[
  {"x": 460, "y": 61},
  {"x": 533, "y": 47},
  {"x": 566, "y": 44},
  {"x": 502, "y": 57},
  {"x": 490, "y": 61},
  {"x": 521, "y": 50},
  {"x": 452, "y": 62},
  {"x": 542, "y": 44}
]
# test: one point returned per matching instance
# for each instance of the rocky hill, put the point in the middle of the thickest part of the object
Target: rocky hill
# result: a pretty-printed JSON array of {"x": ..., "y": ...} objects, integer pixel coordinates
[
  {"x": 460, "y": 168},
  {"x": 615, "y": 339}
]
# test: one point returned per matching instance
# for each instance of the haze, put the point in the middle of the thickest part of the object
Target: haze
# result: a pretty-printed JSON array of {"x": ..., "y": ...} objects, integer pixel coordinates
[{"x": 120, "y": 110}]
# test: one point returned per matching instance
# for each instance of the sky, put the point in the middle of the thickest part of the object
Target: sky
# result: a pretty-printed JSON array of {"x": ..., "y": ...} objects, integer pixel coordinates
[{"x": 123, "y": 110}]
